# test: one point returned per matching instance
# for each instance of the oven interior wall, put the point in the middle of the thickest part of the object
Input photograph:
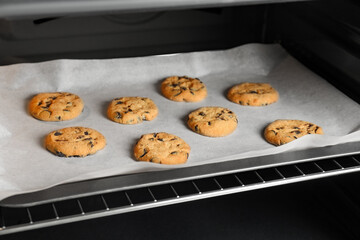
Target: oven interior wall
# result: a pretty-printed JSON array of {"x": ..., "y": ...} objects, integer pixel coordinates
[
  {"x": 325, "y": 36},
  {"x": 128, "y": 35}
]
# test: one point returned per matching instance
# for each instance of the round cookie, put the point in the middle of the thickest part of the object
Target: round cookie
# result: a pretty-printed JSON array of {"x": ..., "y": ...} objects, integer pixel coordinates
[
  {"x": 163, "y": 148},
  {"x": 253, "y": 94},
  {"x": 283, "y": 131},
  {"x": 212, "y": 121},
  {"x": 55, "y": 106},
  {"x": 74, "y": 142},
  {"x": 132, "y": 110},
  {"x": 183, "y": 89}
]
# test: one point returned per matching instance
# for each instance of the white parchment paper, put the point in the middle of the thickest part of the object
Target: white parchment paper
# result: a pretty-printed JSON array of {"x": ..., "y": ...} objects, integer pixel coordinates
[{"x": 26, "y": 166}]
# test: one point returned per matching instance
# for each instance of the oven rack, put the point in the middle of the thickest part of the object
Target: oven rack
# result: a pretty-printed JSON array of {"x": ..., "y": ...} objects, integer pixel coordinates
[{"x": 17, "y": 219}]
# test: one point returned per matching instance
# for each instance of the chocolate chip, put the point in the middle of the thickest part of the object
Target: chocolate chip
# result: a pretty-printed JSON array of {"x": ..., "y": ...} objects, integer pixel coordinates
[
  {"x": 145, "y": 152},
  {"x": 118, "y": 115},
  {"x": 60, "y": 154},
  {"x": 178, "y": 94},
  {"x": 58, "y": 117},
  {"x": 192, "y": 92},
  {"x": 202, "y": 114},
  {"x": 196, "y": 128},
  {"x": 119, "y": 102},
  {"x": 86, "y": 133},
  {"x": 253, "y": 92},
  {"x": 316, "y": 128},
  {"x": 209, "y": 123},
  {"x": 160, "y": 139},
  {"x": 75, "y": 156},
  {"x": 40, "y": 103},
  {"x": 57, "y": 133},
  {"x": 175, "y": 152},
  {"x": 274, "y": 132}
]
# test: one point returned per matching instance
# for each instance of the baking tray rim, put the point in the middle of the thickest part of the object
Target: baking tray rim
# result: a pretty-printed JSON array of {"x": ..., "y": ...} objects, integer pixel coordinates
[{"x": 84, "y": 188}]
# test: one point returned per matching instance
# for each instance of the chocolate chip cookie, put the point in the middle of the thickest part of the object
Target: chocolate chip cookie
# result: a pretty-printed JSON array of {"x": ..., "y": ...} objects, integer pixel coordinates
[
  {"x": 163, "y": 148},
  {"x": 183, "y": 89},
  {"x": 55, "y": 106},
  {"x": 212, "y": 121},
  {"x": 74, "y": 142},
  {"x": 253, "y": 94},
  {"x": 283, "y": 131},
  {"x": 132, "y": 110}
]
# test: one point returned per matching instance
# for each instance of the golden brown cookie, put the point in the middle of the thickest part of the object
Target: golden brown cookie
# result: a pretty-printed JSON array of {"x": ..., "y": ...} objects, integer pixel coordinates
[
  {"x": 163, "y": 148},
  {"x": 283, "y": 131},
  {"x": 212, "y": 121},
  {"x": 132, "y": 110},
  {"x": 183, "y": 89},
  {"x": 55, "y": 106},
  {"x": 74, "y": 142},
  {"x": 253, "y": 94}
]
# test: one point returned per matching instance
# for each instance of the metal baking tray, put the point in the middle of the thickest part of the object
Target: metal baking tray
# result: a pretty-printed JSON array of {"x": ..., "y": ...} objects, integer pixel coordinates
[
  {"x": 104, "y": 197},
  {"x": 146, "y": 179}
]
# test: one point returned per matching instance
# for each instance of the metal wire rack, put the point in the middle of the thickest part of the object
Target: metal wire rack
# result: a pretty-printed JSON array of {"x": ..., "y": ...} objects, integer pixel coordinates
[{"x": 13, "y": 219}]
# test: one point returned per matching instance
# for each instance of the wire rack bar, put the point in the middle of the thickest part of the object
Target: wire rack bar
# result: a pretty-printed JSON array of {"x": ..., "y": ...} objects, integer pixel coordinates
[
  {"x": 280, "y": 174},
  {"x": 299, "y": 170},
  {"x": 338, "y": 164}
]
